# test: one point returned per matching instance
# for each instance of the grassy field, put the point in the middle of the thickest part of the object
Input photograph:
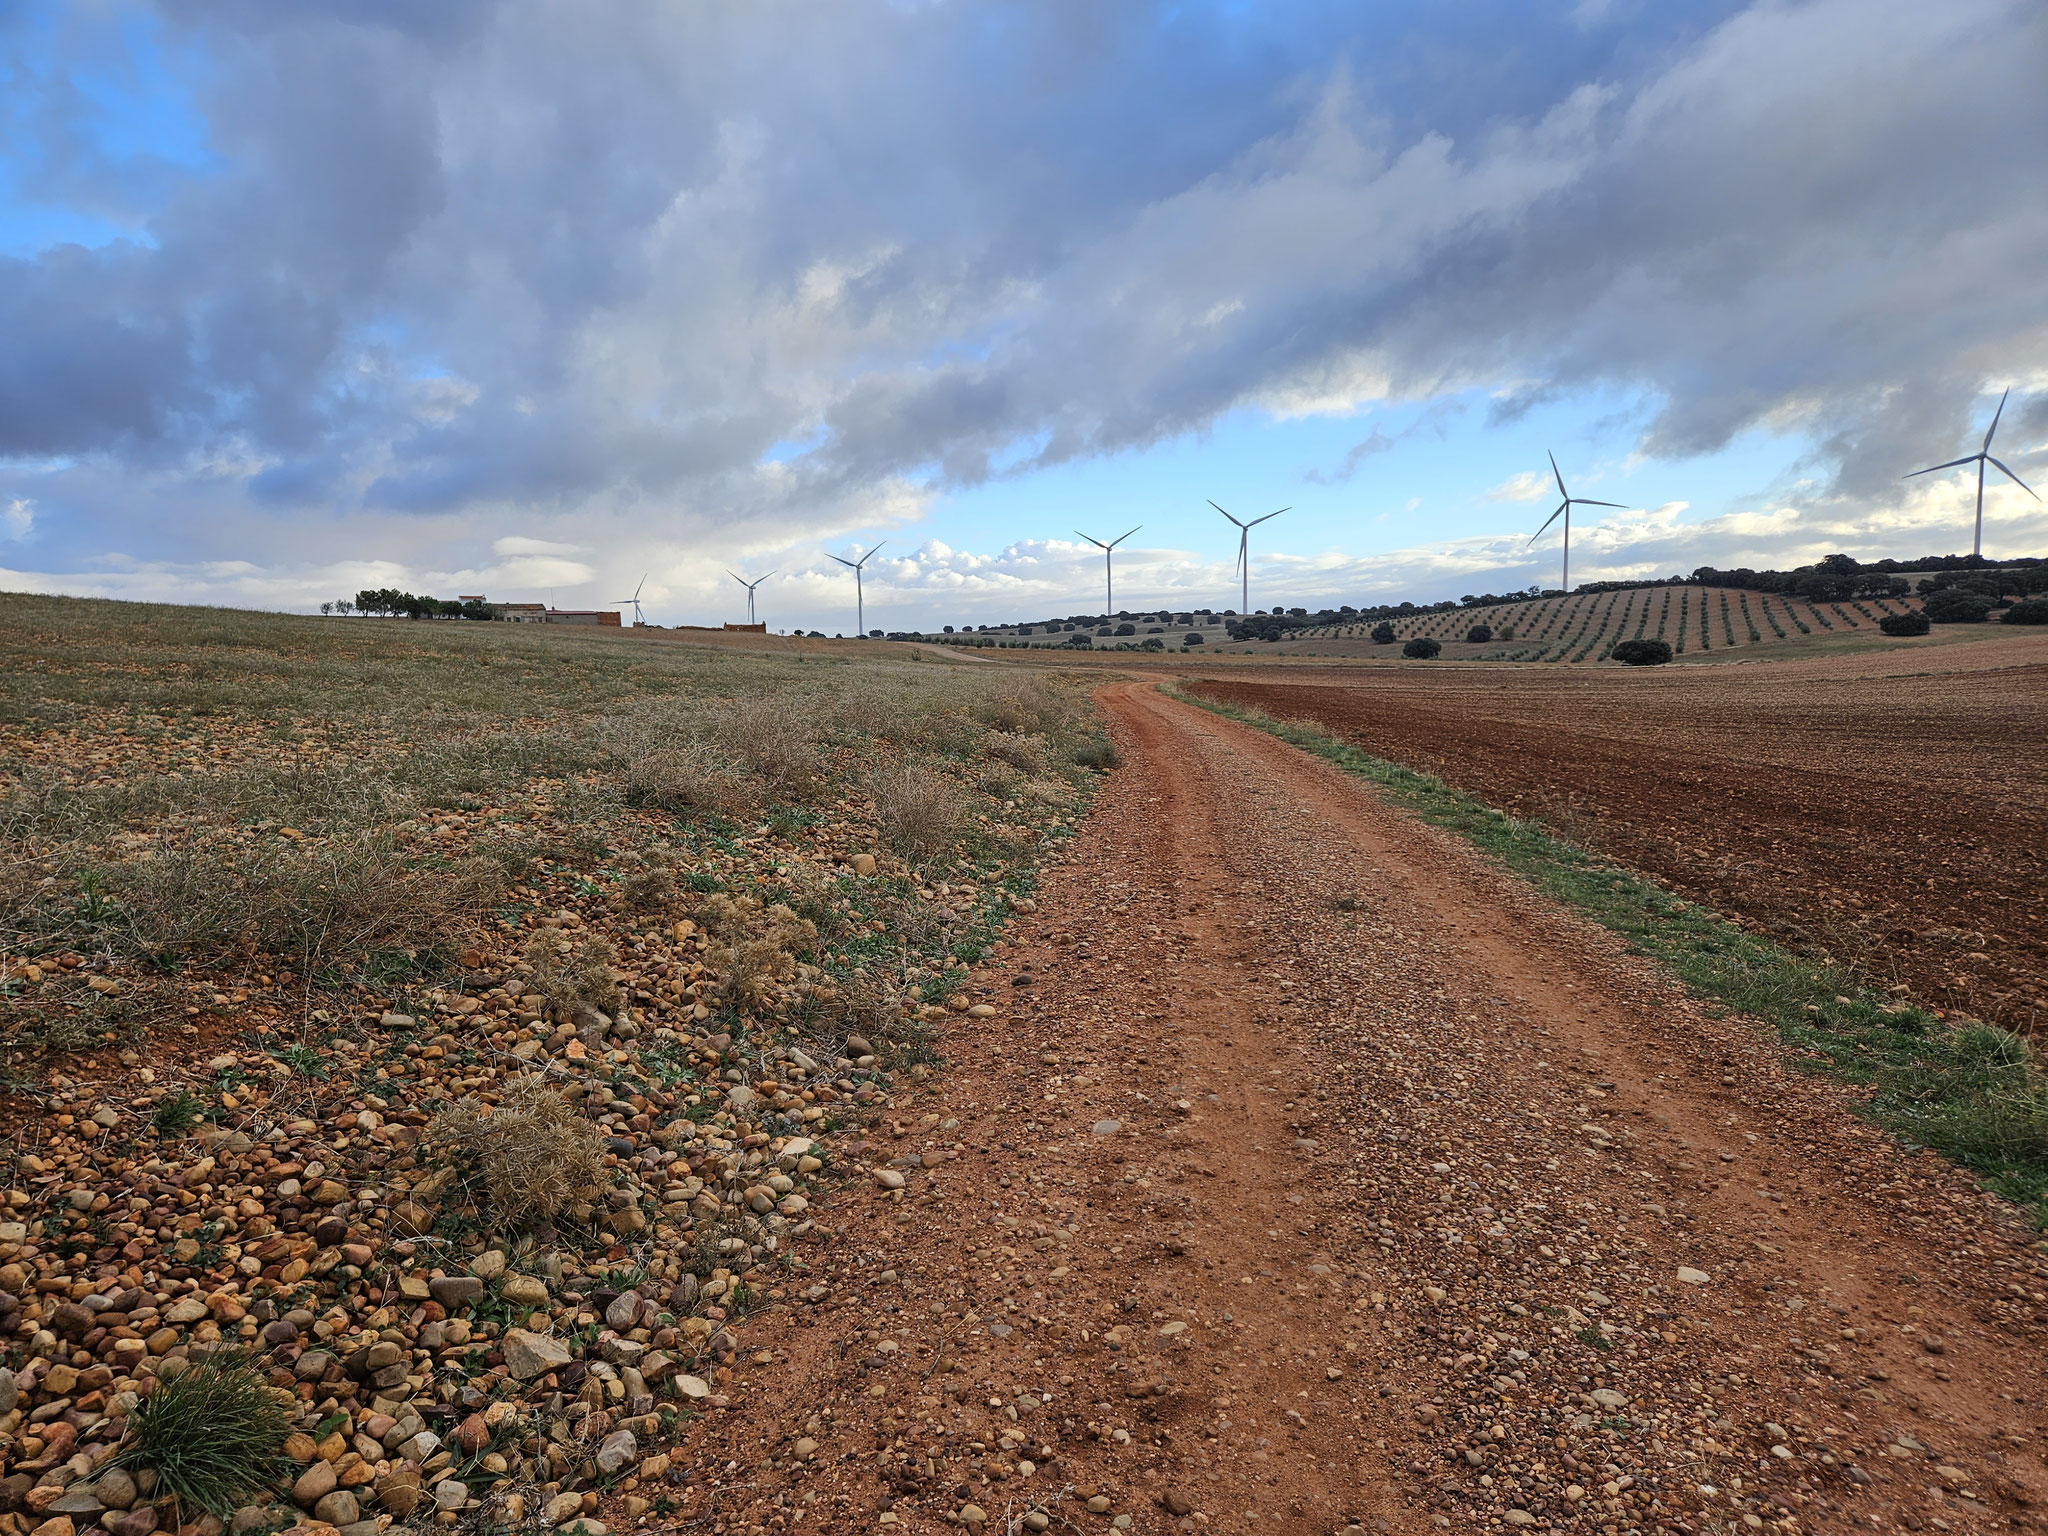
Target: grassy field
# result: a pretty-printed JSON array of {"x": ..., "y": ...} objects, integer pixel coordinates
[{"x": 382, "y": 997}]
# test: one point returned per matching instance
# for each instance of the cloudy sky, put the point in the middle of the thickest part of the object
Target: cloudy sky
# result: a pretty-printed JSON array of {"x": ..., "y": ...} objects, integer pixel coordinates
[{"x": 536, "y": 297}]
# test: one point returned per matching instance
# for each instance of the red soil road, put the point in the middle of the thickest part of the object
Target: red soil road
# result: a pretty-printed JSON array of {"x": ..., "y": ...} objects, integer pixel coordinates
[
  {"x": 1887, "y": 808},
  {"x": 1425, "y": 1206}
]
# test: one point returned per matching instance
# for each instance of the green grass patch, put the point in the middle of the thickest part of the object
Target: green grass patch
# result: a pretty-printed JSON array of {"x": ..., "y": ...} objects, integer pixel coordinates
[{"x": 1970, "y": 1091}]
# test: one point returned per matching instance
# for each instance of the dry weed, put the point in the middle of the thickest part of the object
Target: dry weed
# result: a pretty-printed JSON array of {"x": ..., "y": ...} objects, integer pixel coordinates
[
  {"x": 318, "y": 903},
  {"x": 1025, "y": 751},
  {"x": 685, "y": 776},
  {"x": 918, "y": 809},
  {"x": 771, "y": 738},
  {"x": 649, "y": 887},
  {"x": 757, "y": 953},
  {"x": 573, "y": 973},
  {"x": 531, "y": 1152}
]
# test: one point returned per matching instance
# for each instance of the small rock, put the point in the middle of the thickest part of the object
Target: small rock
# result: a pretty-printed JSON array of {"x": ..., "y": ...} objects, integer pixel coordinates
[
  {"x": 116, "y": 1489},
  {"x": 454, "y": 1291},
  {"x": 619, "y": 1450},
  {"x": 1609, "y": 1399},
  {"x": 524, "y": 1291},
  {"x": 339, "y": 1507},
  {"x": 693, "y": 1386},
  {"x": 1177, "y": 1503},
  {"x": 1688, "y": 1276},
  {"x": 561, "y": 1507},
  {"x": 624, "y": 1312},
  {"x": 1106, "y": 1127},
  {"x": 888, "y": 1178},
  {"x": 314, "y": 1484},
  {"x": 528, "y": 1355},
  {"x": 450, "y": 1494}
]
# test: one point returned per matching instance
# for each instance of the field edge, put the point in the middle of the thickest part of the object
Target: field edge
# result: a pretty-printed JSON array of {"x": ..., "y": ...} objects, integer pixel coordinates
[{"x": 1967, "y": 1090}]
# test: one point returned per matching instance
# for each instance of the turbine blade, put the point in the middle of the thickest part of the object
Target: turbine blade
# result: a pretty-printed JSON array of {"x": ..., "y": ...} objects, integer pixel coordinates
[
  {"x": 1583, "y": 501},
  {"x": 1096, "y": 542},
  {"x": 1226, "y": 514},
  {"x": 2015, "y": 479},
  {"x": 1547, "y": 522},
  {"x": 1122, "y": 536},
  {"x": 1267, "y": 518},
  {"x": 1951, "y": 464},
  {"x": 1994, "y": 422},
  {"x": 1560, "y": 475}
]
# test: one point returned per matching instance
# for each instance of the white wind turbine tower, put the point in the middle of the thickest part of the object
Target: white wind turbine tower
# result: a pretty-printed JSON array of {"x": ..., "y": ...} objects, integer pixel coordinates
[
  {"x": 1564, "y": 508},
  {"x": 1244, "y": 553},
  {"x": 860, "y": 613},
  {"x": 634, "y": 600},
  {"x": 1108, "y": 585},
  {"x": 749, "y": 585},
  {"x": 1980, "y": 458}
]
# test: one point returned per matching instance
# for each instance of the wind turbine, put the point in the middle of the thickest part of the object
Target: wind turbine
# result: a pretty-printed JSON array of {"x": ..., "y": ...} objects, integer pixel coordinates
[
  {"x": 1980, "y": 458},
  {"x": 860, "y": 613},
  {"x": 1108, "y": 588},
  {"x": 1564, "y": 507},
  {"x": 1244, "y": 552},
  {"x": 634, "y": 600},
  {"x": 749, "y": 585}
]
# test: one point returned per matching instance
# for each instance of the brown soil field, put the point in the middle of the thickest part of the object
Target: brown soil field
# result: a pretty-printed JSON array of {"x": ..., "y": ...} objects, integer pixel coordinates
[{"x": 1887, "y": 808}]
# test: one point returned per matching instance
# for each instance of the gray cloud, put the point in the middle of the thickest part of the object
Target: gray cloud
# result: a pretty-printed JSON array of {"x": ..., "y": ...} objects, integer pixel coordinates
[{"x": 571, "y": 268}]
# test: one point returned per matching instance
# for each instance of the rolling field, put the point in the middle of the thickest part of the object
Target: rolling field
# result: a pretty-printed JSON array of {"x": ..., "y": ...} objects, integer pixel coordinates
[
  {"x": 1583, "y": 627},
  {"x": 1889, "y": 808}
]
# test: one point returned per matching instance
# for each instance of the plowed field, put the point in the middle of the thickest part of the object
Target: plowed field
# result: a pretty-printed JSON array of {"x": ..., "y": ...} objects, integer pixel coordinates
[{"x": 1889, "y": 809}]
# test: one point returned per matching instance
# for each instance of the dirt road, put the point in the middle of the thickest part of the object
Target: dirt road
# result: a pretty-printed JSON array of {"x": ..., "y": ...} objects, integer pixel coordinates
[{"x": 1373, "y": 1190}]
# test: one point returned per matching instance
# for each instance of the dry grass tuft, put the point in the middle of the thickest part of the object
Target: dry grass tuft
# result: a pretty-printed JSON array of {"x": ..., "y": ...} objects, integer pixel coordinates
[
  {"x": 573, "y": 973},
  {"x": 919, "y": 810},
  {"x": 648, "y": 887},
  {"x": 532, "y": 1153},
  {"x": 757, "y": 953},
  {"x": 771, "y": 738},
  {"x": 686, "y": 776},
  {"x": 322, "y": 902}
]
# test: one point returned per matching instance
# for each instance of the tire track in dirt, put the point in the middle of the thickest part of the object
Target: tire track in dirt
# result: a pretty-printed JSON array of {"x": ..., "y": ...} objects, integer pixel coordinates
[{"x": 1353, "y": 1182}]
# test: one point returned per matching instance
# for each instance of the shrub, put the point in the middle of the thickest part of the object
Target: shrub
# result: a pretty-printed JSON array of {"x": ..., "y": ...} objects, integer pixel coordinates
[
  {"x": 758, "y": 946},
  {"x": 323, "y": 902},
  {"x": 1126, "y": 629},
  {"x": 917, "y": 808},
  {"x": 648, "y": 886},
  {"x": 1098, "y": 752},
  {"x": 532, "y": 1153},
  {"x": 1479, "y": 634},
  {"x": 769, "y": 737},
  {"x": 1422, "y": 648},
  {"x": 2033, "y": 611},
  {"x": 1955, "y": 606},
  {"x": 1642, "y": 653},
  {"x": 1190, "y": 639},
  {"x": 1911, "y": 623},
  {"x": 1383, "y": 634},
  {"x": 573, "y": 973},
  {"x": 683, "y": 777},
  {"x": 213, "y": 1435}
]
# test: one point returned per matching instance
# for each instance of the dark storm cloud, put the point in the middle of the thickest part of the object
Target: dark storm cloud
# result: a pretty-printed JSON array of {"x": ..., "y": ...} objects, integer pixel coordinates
[{"x": 603, "y": 257}]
